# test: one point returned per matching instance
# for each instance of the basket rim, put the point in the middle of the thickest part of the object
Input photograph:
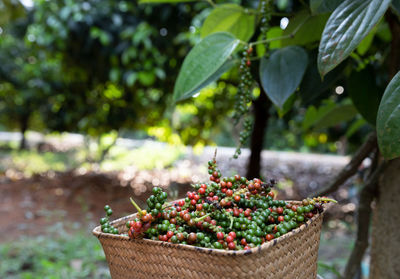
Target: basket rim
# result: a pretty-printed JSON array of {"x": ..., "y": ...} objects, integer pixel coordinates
[{"x": 99, "y": 234}]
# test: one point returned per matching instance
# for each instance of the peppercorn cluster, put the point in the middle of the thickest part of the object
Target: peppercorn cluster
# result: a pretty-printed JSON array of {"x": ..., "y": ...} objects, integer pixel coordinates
[
  {"x": 243, "y": 99},
  {"x": 225, "y": 213},
  {"x": 106, "y": 227}
]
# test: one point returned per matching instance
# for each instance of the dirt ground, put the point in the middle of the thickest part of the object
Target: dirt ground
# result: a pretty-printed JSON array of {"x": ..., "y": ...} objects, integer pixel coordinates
[{"x": 29, "y": 206}]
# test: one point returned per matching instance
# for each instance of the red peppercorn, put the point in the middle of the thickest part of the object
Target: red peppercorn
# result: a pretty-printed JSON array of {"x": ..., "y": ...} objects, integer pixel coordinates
[
  {"x": 186, "y": 217},
  {"x": 233, "y": 234},
  {"x": 269, "y": 237},
  {"x": 271, "y": 194},
  {"x": 229, "y": 238}
]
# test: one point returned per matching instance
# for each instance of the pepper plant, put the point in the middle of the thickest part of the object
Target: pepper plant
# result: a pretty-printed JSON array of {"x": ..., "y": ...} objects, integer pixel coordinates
[{"x": 342, "y": 46}]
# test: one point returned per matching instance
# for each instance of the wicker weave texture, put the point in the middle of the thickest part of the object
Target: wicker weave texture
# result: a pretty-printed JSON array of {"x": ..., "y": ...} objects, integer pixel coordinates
[{"x": 291, "y": 256}]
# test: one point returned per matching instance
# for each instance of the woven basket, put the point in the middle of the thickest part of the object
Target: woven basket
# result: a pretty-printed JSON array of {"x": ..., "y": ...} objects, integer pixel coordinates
[{"x": 292, "y": 256}]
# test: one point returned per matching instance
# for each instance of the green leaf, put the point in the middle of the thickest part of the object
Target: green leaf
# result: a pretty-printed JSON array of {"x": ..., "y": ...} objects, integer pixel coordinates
[
  {"x": 364, "y": 93},
  {"x": 281, "y": 74},
  {"x": 324, "y": 6},
  {"x": 202, "y": 62},
  {"x": 131, "y": 78},
  {"x": 384, "y": 32},
  {"x": 388, "y": 120},
  {"x": 230, "y": 18},
  {"x": 274, "y": 32},
  {"x": 367, "y": 41},
  {"x": 328, "y": 115},
  {"x": 215, "y": 76},
  {"x": 355, "y": 126},
  {"x": 163, "y": 1},
  {"x": 312, "y": 87},
  {"x": 396, "y": 7},
  {"x": 347, "y": 26},
  {"x": 303, "y": 35},
  {"x": 146, "y": 78},
  {"x": 287, "y": 106}
]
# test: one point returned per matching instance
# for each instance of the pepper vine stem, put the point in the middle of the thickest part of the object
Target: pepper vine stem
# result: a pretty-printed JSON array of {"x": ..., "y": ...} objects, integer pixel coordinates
[
  {"x": 201, "y": 218},
  {"x": 211, "y": 2},
  {"x": 140, "y": 211},
  {"x": 289, "y": 36}
]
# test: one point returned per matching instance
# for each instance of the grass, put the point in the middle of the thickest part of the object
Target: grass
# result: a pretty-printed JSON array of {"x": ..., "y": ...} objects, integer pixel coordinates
[{"x": 63, "y": 256}]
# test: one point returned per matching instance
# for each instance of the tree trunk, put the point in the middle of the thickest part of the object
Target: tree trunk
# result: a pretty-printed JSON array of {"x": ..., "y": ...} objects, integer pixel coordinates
[
  {"x": 24, "y": 126},
  {"x": 261, "y": 116},
  {"x": 385, "y": 250}
]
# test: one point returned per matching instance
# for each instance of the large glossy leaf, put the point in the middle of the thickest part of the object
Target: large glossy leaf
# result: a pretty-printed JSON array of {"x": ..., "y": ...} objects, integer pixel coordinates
[
  {"x": 307, "y": 22},
  {"x": 328, "y": 115},
  {"x": 347, "y": 26},
  {"x": 388, "y": 120},
  {"x": 281, "y": 74},
  {"x": 312, "y": 87},
  {"x": 215, "y": 76},
  {"x": 230, "y": 18},
  {"x": 202, "y": 62},
  {"x": 364, "y": 93},
  {"x": 324, "y": 6},
  {"x": 163, "y": 1}
]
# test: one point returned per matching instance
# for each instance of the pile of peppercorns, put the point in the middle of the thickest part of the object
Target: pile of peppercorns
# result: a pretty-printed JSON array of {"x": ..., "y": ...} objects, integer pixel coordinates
[{"x": 227, "y": 213}]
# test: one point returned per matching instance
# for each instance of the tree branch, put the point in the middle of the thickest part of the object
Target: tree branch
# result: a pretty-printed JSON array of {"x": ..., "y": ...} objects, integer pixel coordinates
[
  {"x": 367, "y": 195},
  {"x": 351, "y": 168}
]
